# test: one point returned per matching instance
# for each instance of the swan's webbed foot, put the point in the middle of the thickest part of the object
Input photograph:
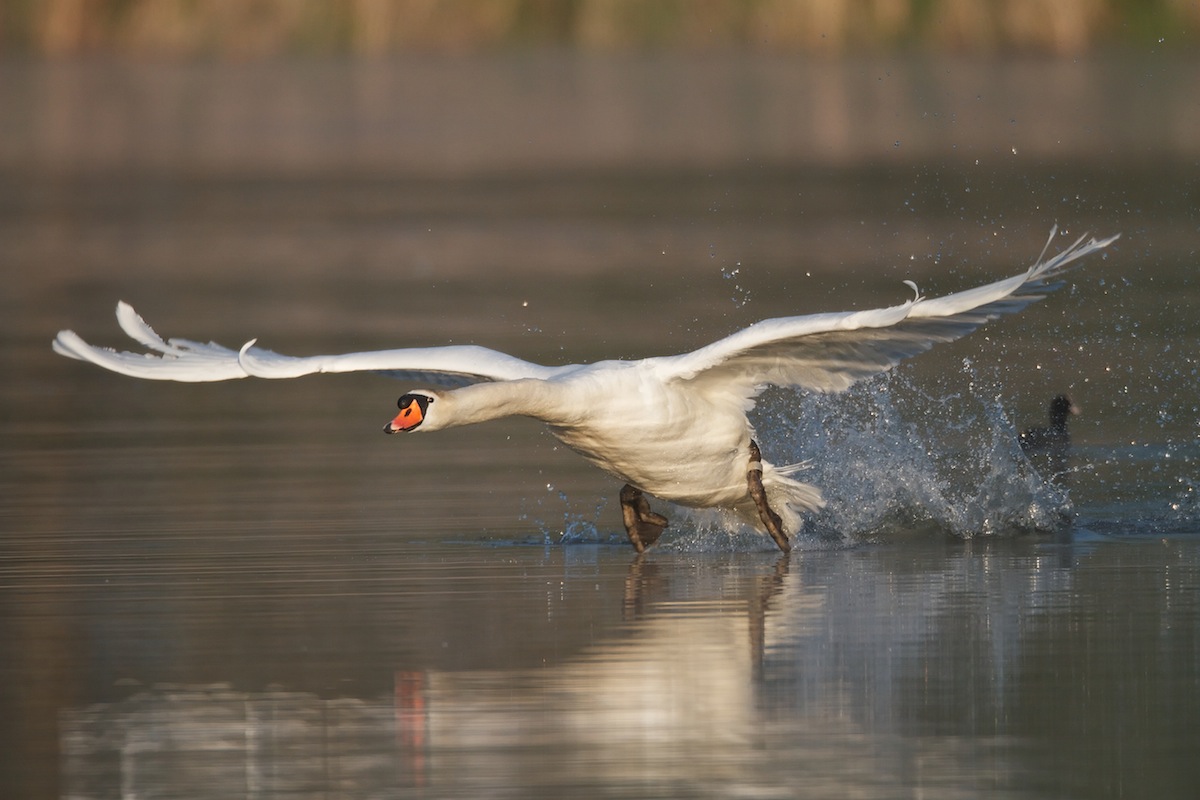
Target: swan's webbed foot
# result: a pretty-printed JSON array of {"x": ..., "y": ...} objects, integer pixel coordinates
[
  {"x": 641, "y": 524},
  {"x": 770, "y": 519}
]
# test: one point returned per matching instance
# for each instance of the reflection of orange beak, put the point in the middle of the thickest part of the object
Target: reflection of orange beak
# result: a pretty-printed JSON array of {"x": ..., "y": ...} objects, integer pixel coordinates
[{"x": 409, "y": 417}]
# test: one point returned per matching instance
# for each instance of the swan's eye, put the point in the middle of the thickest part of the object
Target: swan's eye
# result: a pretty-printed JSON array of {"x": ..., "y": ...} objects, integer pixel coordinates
[{"x": 407, "y": 400}]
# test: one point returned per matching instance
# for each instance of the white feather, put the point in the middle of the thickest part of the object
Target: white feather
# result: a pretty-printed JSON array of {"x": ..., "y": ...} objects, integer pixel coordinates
[{"x": 672, "y": 426}]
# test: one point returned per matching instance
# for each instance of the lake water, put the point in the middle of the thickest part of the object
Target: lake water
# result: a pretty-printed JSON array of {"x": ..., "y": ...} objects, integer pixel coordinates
[{"x": 245, "y": 589}]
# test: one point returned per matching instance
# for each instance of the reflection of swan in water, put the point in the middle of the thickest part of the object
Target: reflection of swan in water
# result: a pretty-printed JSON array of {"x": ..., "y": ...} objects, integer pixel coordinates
[
  {"x": 669, "y": 699},
  {"x": 676, "y": 699},
  {"x": 674, "y": 427},
  {"x": 646, "y": 582},
  {"x": 1049, "y": 448}
]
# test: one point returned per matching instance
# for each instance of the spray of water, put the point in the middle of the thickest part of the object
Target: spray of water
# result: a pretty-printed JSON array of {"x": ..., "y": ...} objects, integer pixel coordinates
[{"x": 893, "y": 460}]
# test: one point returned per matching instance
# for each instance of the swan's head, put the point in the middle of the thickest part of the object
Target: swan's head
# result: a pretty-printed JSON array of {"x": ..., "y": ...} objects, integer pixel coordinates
[{"x": 415, "y": 408}]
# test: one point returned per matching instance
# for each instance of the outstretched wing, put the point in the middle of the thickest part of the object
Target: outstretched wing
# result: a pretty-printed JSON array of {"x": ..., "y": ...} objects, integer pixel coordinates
[
  {"x": 195, "y": 362},
  {"x": 829, "y": 352}
]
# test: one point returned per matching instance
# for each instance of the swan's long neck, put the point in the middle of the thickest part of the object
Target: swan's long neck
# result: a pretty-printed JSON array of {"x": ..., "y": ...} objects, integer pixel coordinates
[{"x": 482, "y": 402}]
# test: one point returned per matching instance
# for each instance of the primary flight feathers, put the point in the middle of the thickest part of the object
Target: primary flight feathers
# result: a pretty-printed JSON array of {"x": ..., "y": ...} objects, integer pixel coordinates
[{"x": 821, "y": 352}]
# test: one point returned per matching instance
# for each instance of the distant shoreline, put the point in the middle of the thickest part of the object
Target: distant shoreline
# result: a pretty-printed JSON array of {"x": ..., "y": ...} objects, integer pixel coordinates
[{"x": 265, "y": 28}]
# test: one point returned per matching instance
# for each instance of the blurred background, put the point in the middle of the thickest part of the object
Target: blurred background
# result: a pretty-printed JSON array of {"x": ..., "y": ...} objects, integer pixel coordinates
[
  {"x": 348, "y": 174},
  {"x": 570, "y": 181},
  {"x": 264, "y": 28}
]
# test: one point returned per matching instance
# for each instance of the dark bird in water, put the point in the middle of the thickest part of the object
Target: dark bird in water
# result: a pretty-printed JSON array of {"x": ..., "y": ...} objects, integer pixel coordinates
[{"x": 1049, "y": 448}]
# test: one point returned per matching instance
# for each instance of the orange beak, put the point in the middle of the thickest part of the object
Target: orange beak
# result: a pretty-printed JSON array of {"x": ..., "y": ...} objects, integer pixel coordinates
[{"x": 410, "y": 416}]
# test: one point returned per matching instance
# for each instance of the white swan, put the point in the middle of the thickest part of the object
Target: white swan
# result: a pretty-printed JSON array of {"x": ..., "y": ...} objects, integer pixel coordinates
[{"x": 674, "y": 427}]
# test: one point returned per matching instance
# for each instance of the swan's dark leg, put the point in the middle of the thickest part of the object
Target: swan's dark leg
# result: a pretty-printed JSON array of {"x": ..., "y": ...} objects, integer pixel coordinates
[
  {"x": 643, "y": 525},
  {"x": 768, "y": 516}
]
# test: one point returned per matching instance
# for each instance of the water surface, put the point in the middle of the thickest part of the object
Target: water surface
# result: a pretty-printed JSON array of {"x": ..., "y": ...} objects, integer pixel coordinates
[{"x": 245, "y": 589}]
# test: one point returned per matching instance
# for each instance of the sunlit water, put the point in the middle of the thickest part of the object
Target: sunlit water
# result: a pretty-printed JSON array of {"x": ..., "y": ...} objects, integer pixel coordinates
[{"x": 245, "y": 589}]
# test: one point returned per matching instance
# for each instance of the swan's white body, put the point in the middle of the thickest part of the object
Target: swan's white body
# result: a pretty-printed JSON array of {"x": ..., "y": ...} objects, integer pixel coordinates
[{"x": 674, "y": 427}]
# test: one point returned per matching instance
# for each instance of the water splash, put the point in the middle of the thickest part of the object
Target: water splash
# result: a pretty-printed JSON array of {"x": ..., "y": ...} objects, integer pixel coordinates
[
  {"x": 894, "y": 460},
  {"x": 741, "y": 295},
  {"x": 559, "y": 524}
]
